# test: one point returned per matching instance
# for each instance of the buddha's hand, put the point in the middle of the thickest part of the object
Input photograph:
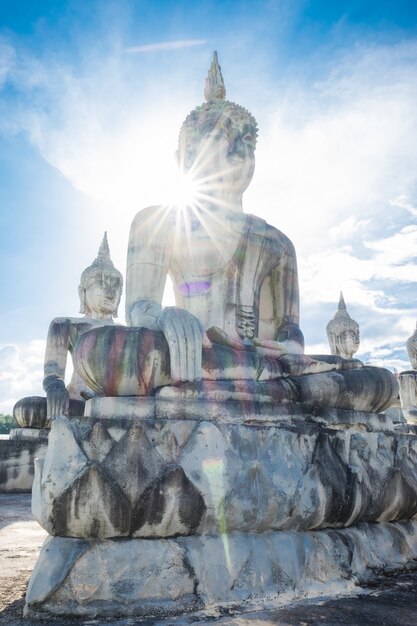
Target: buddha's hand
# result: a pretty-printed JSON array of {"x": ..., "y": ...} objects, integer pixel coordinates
[
  {"x": 186, "y": 337},
  {"x": 269, "y": 347},
  {"x": 145, "y": 314},
  {"x": 57, "y": 399}
]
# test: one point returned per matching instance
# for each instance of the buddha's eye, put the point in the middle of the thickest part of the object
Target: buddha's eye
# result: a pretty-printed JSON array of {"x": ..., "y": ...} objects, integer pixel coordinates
[{"x": 248, "y": 138}]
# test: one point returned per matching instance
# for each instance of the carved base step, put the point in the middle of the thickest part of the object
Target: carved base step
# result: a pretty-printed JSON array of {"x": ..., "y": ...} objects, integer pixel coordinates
[
  {"x": 231, "y": 465},
  {"x": 161, "y": 577},
  {"x": 17, "y": 456}
]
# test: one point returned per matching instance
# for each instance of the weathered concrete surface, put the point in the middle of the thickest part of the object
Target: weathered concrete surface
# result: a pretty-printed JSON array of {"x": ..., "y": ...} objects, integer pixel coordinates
[
  {"x": 239, "y": 469},
  {"x": 17, "y": 455},
  {"x": 176, "y": 576},
  {"x": 389, "y": 601}
]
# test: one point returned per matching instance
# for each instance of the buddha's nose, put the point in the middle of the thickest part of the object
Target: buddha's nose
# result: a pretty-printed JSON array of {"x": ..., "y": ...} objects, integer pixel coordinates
[{"x": 109, "y": 292}]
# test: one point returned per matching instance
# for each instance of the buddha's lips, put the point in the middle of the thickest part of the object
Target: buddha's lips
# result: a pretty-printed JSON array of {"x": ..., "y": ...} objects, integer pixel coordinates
[{"x": 194, "y": 288}]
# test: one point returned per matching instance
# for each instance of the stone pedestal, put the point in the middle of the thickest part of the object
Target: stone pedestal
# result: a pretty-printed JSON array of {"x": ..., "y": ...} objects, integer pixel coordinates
[
  {"x": 162, "y": 577},
  {"x": 165, "y": 505},
  {"x": 17, "y": 456}
]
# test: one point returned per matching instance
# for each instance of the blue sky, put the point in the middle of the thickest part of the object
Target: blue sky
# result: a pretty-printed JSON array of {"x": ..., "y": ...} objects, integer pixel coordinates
[{"x": 92, "y": 95}]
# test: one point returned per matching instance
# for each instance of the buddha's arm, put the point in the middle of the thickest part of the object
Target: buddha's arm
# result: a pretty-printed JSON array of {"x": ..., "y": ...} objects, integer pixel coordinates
[
  {"x": 57, "y": 346},
  {"x": 148, "y": 259},
  {"x": 149, "y": 254},
  {"x": 286, "y": 304}
]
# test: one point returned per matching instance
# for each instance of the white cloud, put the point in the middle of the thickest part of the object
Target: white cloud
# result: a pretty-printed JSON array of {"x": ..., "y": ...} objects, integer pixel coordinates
[
  {"x": 347, "y": 228},
  {"x": 343, "y": 148},
  {"x": 167, "y": 45},
  {"x": 403, "y": 202},
  {"x": 21, "y": 372},
  {"x": 398, "y": 248},
  {"x": 332, "y": 154},
  {"x": 324, "y": 274}
]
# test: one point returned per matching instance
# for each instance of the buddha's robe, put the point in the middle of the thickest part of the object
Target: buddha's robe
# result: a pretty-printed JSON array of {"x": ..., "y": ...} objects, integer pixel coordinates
[
  {"x": 238, "y": 276},
  {"x": 232, "y": 271}
]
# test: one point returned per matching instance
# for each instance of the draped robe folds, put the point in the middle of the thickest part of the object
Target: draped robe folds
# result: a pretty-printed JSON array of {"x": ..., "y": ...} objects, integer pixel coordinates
[
  {"x": 237, "y": 274},
  {"x": 232, "y": 271}
]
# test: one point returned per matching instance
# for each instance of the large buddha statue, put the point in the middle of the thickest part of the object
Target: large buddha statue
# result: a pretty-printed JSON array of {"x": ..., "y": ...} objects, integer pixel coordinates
[
  {"x": 230, "y": 271},
  {"x": 235, "y": 282},
  {"x": 214, "y": 444},
  {"x": 99, "y": 291}
]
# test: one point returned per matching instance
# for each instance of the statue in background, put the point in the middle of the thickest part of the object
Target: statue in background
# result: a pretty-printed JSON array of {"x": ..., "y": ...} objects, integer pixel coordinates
[
  {"x": 235, "y": 282},
  {"x": 99, "y": 291},
  {"x": 343, "y": 332},
  {"x": 408, "y": 382},
  {"x": 412, "y": 349}
]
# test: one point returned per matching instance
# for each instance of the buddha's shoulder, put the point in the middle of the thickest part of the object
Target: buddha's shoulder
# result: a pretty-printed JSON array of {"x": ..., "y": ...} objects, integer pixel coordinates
[
  {"x": 63, "y": 321},
  {"x": 273, "y": 234},
  {"x": 72, "y": 322},
  {"x": 151, "y": 215}
]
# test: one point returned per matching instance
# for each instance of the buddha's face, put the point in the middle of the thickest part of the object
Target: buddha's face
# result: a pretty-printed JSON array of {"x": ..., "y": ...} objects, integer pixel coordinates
[
  {"x": 223, "y": 160},
  {"x": 348, "y": 344},
  {"x": 102, "y": 297}
]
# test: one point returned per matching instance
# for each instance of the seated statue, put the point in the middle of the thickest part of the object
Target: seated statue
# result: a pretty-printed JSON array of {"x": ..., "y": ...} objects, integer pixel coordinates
[
  {"x": 343, "y": 332},
  {"x": 100, "y": 290},
  {"x": 408, "y": 382},
  {"x": 235, "y": 283}
]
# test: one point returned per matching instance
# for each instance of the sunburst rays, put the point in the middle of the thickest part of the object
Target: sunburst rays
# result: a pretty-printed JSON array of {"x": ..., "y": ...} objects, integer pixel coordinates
[{"x": 201, "y": 190}]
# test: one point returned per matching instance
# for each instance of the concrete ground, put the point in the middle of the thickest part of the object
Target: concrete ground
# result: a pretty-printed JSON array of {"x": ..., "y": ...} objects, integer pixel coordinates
[{"x": 389, "y": 602}]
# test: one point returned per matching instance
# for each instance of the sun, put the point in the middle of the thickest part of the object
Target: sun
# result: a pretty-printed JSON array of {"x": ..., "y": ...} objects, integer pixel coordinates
[{"x": 184, "y": 191}]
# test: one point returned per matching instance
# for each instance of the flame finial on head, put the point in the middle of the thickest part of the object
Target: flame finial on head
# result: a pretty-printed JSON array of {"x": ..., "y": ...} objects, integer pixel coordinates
[
  {"x": 104, "y": 250},
  {"x": 214, "y": 87},
  {"x": 341, "y": 306}
]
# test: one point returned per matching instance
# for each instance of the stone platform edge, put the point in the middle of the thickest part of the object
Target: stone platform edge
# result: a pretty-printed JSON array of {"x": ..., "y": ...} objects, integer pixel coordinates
[
  {"x": 155, "y": 577},
  {"x": 235, "y": 411}
]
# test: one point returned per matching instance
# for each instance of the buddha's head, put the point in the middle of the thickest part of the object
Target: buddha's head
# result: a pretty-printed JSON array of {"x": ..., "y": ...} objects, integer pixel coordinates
[
  {"x": 217, "y": 141},
  {"x": 100, "y": 286},
  {"x": 412, "y": 349},
  {"x": 343, "y": 332}
]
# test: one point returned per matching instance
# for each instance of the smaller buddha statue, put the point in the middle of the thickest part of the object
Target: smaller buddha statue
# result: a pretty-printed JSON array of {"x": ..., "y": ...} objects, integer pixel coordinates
[
  {"x": 408, "y": 382},
  {"x": 412, "y": 349},
  {"x": 99, "y": 291},
  {"x": 343, "y": 332}
]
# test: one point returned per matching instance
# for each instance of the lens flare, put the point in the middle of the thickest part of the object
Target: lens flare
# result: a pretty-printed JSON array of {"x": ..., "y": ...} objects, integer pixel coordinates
[
  {"x": 214, "y": 471},
  {"x": 184, "y": 191}
]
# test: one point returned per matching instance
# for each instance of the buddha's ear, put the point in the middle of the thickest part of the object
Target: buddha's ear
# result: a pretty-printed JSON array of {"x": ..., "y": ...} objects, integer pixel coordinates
[
  {"x": 115, "y": 313},
  {"x": 333, "y": 343},
  {"x": 81, "y": 295},
  {"x": 339, "y": 342}
]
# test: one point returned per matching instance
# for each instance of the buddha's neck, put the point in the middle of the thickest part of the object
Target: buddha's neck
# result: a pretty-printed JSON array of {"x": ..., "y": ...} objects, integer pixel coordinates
[
  {"x": 98, "y": 315},
  {"x": 224, "y": 199}
]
